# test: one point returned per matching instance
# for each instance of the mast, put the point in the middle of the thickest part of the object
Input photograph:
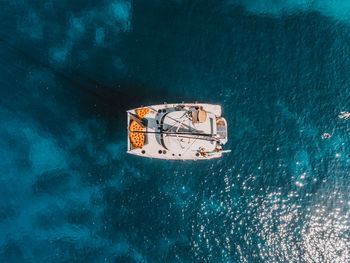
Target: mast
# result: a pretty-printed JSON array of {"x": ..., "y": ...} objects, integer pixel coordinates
[
  {"x": 183, "y": 134},
  {"x": 179, "y": 133}
]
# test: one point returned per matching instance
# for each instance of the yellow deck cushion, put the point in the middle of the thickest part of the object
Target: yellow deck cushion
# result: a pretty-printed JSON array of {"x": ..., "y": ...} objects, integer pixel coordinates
[
  {"x": 137, "y": 138},
  {"x": 142, "y": 112}
]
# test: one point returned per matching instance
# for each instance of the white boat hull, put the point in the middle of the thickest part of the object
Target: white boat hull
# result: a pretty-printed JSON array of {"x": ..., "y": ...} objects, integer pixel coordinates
[{"x": 171, "y": 133}]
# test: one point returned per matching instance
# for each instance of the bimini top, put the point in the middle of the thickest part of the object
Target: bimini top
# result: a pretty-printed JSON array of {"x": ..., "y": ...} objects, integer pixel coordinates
[{"x": 177, "y": 131}]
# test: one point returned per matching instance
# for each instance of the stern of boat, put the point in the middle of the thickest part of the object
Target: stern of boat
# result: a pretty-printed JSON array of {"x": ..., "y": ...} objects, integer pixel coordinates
[
  {"x": 221, "y": 130},
  {"x": 127, "y": 134}
]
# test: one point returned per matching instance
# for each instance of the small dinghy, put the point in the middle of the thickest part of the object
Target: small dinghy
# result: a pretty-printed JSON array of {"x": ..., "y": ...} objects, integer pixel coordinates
[{"x": 177, "y": 131}]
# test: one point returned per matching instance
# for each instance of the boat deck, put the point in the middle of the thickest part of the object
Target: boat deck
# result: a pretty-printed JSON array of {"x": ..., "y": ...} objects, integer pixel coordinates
[{"x": 171, "y": 134}]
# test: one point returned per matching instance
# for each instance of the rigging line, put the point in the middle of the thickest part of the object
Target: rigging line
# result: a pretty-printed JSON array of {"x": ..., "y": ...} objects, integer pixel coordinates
[
  {"x": 170, "y": 117},
  {"x": 190, "y": 145},
  {"x": 179, "y": 126},
  {"x": 189, "y": 127},
  {"x": 178, "y": 121}
]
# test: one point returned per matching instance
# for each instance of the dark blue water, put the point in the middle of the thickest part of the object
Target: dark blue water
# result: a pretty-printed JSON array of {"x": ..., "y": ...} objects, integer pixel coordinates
[{"x": 70, "y": 70}]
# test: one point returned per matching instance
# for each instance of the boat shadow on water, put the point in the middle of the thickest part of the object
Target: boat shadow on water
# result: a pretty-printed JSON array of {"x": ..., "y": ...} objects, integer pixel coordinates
[{"x": 89, "y": 95}]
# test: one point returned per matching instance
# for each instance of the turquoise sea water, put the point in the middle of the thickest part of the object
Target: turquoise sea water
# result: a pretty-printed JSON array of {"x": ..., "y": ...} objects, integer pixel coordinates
[{"x": 70, "y": 70}]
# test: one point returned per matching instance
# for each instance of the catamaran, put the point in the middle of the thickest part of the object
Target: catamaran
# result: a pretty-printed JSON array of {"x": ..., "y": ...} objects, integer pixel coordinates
[{"x": 180, "y": 131}]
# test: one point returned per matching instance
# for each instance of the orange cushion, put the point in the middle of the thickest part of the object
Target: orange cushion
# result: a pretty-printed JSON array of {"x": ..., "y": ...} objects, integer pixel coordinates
[
  {"x": 137, "y": 138},
  {"x": 142, "y": 112}
]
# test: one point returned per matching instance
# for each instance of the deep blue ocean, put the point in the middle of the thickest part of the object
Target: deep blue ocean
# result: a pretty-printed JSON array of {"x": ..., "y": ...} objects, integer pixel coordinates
[{"x": 70, "y": 69}]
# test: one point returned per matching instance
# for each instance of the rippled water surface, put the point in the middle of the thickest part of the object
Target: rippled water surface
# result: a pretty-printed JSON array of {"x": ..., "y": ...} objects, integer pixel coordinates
[{"x": 70, "y": 69}]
